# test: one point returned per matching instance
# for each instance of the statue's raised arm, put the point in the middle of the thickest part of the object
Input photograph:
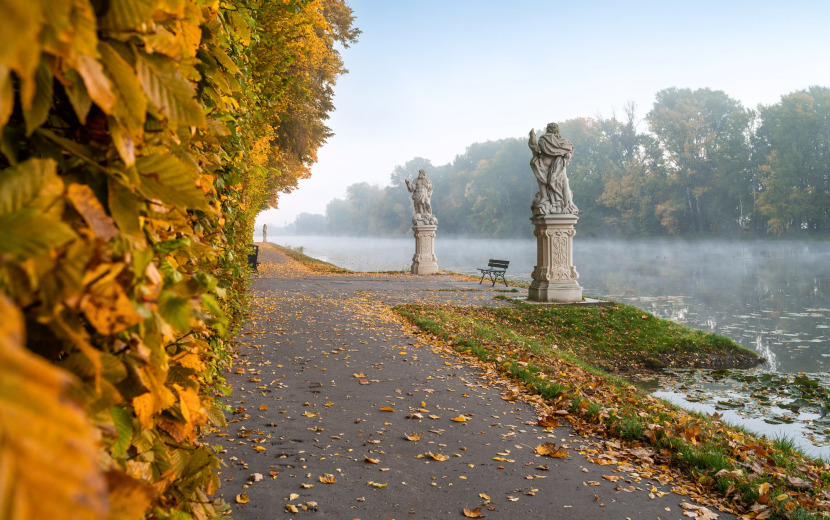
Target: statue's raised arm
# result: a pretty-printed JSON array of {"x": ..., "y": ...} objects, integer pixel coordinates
[{"x": 532, "y": 143}]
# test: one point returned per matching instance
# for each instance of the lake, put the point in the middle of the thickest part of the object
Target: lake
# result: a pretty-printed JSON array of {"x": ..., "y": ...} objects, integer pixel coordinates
[{"x": 772, "y": 297}]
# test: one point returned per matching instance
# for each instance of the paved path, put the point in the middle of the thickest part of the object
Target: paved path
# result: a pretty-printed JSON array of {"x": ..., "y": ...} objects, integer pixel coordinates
[{"x": 329, "y": 383}]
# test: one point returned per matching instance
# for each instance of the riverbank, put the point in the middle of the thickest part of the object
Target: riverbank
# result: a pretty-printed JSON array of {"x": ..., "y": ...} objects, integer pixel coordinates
[{"x": 731, "y": 468}]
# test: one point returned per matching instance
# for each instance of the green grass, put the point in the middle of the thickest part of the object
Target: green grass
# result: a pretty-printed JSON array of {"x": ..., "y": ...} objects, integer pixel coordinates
[{"x": 618, "y": 338}]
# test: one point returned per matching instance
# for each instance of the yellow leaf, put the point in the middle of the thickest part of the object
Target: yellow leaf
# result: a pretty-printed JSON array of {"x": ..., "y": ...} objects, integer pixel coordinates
[
  {"x": 58, "y": 471},
  {"x": 291, "y": 508},
  {"x": 108, "y": 308},
  {"x": 461, "y": 418},
  {"x": 415, "y": 437},
  {"x": 97, "y": 83},
  {"x": 386, "y": 409},
  {"x": 763, "y": 489},
  {"x": 371, "y": 460},
  {"x": 438, "y": 456},
  {"x": 129, "y": 497},
  {"x": 549, "y": 449},
  {"x": 259, "y": 448},
  {"x": 473, "y": 513},
  {"x": 310, "y": 414},
  {"x": 376, "y": 484},
  {"x": 327, "y": 479},
  {"x": 242, "y": 498}
]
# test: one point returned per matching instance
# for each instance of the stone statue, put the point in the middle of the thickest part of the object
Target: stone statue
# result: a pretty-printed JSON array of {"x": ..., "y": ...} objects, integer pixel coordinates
[
  {"x": 265, "y": 232},
  {"x": 551, "y": 154},
  {"x": 421, "y": 190}
]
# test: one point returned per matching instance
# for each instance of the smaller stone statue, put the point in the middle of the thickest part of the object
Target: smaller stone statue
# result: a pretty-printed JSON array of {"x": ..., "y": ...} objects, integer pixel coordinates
[
  {"x": 265, "y": 232},
  {"x": 551, "y": 154},
  {"x": 421, "y": 190}
]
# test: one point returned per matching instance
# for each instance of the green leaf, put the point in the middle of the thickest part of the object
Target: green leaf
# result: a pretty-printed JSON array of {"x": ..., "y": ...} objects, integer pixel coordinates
[
  {"x": 126, "y": 15},
  {"x": 131, "y": 105},
  {"x": 124, "y": 209},
  {"x": 36, "y": 114},
  {"x": 175, "y": 310},
  {"x": 166, "y": 178},
  {"x": 124, "y": 426},
  {"x": 172, "y": 95},
  {"x": 33, "y": 183},
  {"x": 78, "y": 95},
  {"x": 28, "y": 233}
]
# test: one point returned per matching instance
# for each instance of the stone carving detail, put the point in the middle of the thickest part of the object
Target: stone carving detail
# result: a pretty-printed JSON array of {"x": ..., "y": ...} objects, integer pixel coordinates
[
  {"x": 424, "y": 261},
  {"x": 554, "y": 276},
  {"x": 551, "y": 155},
  {"x": 421, "y": 190}
]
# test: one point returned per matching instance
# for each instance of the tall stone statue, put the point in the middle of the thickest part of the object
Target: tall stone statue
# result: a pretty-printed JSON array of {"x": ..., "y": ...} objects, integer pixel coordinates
[
  {"x": 551, "y": 154},
  {"x": 265, "y": 232},
  {"x": 424, "y": 225},
  {"x": 421, "y": 190}
]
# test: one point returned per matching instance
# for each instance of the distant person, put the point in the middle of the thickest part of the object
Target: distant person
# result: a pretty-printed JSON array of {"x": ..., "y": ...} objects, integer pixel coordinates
[
  {"x": 421, "y": 189},
  {"x": 265, "y": 232},
  {"x": 551, "y": 154}
]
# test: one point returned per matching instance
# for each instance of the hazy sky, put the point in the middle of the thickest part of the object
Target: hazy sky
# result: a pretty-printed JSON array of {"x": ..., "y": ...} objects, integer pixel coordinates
[{"x": 430, "y": 77}]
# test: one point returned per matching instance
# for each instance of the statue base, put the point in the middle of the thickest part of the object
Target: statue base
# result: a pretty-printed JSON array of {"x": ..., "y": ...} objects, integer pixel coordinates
[
  {"x": 424, "y": 260},
  {"x": 554, "y": 277}
]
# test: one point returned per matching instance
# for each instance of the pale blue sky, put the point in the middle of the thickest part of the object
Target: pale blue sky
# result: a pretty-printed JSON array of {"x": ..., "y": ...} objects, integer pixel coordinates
[{"x": 429, "y": 78}]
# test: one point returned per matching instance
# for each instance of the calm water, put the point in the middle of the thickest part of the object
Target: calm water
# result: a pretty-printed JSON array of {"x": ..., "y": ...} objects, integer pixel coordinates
[{"x": 772, "y": 297}]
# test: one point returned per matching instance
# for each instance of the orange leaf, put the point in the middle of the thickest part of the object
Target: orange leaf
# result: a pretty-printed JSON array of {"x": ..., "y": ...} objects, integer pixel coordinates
[
  {"x": 386, "y": 409},
  {"x": 473, "y": 513}
]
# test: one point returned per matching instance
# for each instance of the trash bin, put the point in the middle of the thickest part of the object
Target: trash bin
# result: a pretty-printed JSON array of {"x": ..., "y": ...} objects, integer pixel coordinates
[{"x": 253, "y": 257}]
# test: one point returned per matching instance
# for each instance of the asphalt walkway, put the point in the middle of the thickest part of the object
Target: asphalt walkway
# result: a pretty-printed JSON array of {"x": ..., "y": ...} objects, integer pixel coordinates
[{"x": 341, "y": 410}]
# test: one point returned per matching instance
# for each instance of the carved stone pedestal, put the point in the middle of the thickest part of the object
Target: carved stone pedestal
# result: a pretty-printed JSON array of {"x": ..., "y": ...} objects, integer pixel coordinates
[
  {"x": 424, "y": 261},
  {"x": 554, "y": 277}
]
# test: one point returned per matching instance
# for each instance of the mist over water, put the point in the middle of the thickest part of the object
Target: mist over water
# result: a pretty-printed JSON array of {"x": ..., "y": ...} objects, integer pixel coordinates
[{"x": 772, "y": 297}]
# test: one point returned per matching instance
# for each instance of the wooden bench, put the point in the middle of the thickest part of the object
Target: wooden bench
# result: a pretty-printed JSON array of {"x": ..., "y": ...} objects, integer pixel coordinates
[
  {"x": 495, "y": 269},
  {"x": 253, "y": 257}
]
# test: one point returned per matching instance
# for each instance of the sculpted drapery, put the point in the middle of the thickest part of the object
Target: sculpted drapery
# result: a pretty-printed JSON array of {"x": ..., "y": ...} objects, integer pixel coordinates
[{"x": 551, "y": 154}]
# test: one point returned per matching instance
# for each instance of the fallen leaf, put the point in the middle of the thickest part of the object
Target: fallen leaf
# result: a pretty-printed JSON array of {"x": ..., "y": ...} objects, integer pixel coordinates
[
  {"x": 291, "y": 508},
  {"x": 438, "y": 456},
  {"x": 386, "y": 409},
  {"x": 293, "y": 496},
  {"x": 473, "y": 513},
  {"x": 371, "y": 460},
  {"x": 549, "y": 449},
  {"x": 242, "y": 498},
  {"x": 414, "y": 437},
  {"x": 461, "y": 418},
  {"x": 327, "y": 479},
  {"x": 376, "y": 484}
]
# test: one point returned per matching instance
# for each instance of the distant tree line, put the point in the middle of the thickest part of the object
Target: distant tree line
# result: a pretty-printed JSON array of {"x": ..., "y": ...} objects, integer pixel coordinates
[{"x": 705, "y": 165}]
